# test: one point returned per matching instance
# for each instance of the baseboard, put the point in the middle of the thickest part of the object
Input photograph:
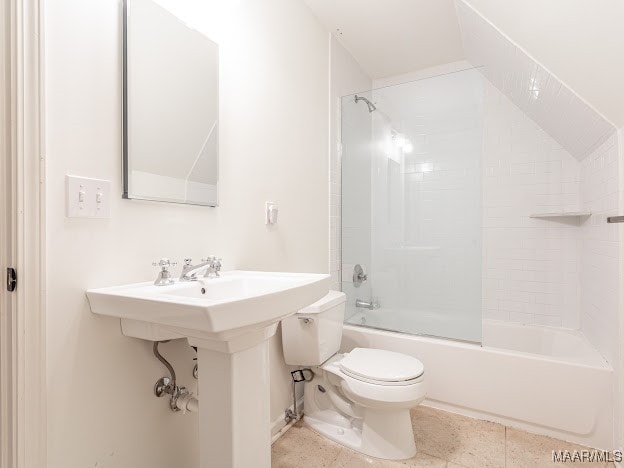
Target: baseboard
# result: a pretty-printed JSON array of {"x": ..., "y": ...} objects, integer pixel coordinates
[{"x": 279, "y": 426}]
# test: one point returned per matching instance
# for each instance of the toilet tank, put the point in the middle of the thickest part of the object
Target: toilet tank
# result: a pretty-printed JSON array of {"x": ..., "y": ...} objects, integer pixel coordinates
[{"x": 313, "y": 335}]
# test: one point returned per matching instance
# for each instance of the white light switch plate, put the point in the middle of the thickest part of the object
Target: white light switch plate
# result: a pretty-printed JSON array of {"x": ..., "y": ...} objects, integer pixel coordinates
[{"x": 87, "y": 198}]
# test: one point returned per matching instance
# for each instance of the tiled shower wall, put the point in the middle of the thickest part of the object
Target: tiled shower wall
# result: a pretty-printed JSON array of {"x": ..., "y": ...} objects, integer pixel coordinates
[
  {"x": 600, "y": 259},
  {"x": 530, "y": 266},
  {"x": 600, "y": 249}
]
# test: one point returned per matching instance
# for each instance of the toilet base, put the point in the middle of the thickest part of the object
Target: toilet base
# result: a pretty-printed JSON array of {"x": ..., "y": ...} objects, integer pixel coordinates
[
  {"x": 348, "y": 436},
  {"x": 387, "y": 435}
]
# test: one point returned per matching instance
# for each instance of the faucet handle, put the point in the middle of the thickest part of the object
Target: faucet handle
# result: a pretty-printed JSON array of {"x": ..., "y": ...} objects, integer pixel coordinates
[
  {"x": 214, "y": 266},
  {"x": 188, "y": 261},
  {"x": 214, "y": 261},
  {"x": 164, "y": 276},
  {"x": 164, "y": 263}
]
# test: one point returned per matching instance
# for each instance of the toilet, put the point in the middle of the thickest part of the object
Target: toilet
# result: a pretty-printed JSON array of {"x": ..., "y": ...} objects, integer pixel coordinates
[{"x": 361, "y": 399}]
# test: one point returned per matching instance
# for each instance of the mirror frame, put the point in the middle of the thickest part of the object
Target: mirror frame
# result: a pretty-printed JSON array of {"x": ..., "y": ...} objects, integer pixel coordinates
[{"x": 124, "y": 130}]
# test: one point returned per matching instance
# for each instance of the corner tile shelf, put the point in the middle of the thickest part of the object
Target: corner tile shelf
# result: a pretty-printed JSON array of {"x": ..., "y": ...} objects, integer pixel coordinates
[{"x": 562, "y": 214}]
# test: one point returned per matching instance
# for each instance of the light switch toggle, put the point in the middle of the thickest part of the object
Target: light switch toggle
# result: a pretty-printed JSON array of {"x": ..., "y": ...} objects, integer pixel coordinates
[{"x": 271, "y": 213}]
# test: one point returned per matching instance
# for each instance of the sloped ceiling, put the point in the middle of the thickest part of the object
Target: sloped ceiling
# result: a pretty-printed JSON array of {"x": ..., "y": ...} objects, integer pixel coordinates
[
  {"x": 557, "y": 109},
  {"x": 579, "y": 41},
  {"x": 391, "y": 37}
]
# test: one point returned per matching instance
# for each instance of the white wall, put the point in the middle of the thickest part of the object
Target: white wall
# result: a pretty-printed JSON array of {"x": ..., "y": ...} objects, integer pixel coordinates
[
  {"x": 423, "y": 73},
  {"x": 391, "y": 37},
  {"x": 580, "y": 41},
  {"x": 274, "y": 121}
]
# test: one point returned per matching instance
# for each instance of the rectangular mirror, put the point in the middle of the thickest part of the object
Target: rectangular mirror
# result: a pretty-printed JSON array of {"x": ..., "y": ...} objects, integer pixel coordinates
[{"x": 171, "y": 107}]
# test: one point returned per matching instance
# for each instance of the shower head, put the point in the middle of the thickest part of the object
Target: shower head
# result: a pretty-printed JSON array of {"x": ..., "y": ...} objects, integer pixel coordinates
[{"x": 371, "y": 106}]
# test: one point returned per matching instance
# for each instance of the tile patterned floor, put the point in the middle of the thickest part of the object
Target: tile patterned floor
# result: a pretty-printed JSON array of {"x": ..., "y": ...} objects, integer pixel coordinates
[{"x": 443, "y": 440}]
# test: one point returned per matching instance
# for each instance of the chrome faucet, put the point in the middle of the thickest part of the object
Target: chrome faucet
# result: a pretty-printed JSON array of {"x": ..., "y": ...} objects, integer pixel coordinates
[
  {"x": 372, "y": 305},
  {"x": 190, "y": 271},
  {"x": 211, "y": 266}
]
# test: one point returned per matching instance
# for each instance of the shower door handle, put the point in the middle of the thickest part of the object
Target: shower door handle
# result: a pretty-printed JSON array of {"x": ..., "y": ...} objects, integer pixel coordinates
[{"x": 615, "y": 219}]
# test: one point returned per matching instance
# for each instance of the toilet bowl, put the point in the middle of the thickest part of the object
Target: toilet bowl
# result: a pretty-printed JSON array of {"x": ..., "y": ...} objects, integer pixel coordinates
[{"x": 361, "y": 399}]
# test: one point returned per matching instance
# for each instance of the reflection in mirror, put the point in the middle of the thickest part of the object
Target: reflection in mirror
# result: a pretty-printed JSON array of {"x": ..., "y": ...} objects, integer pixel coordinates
[{"x": 171, "y": 107}]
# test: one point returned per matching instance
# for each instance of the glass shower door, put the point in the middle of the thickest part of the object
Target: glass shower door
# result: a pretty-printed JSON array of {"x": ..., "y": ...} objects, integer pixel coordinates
[{"x": 411, "y": 206}]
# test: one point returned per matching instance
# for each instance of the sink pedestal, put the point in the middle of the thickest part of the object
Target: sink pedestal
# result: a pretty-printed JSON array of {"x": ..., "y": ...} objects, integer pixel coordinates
[
  {"x": 229, "y": 319},
  {"x": 234, "y": 402}
]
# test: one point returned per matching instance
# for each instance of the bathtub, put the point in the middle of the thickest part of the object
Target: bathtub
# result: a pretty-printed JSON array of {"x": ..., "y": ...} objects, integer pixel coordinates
[{"x": 544, "y": 380}]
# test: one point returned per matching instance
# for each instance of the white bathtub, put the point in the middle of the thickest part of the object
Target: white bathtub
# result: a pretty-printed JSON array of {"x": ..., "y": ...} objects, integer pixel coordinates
[{"x": 545, "y": 380}]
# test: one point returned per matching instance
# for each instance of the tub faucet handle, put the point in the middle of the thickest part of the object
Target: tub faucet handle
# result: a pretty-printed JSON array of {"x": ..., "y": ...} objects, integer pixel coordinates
[{"x": 359, "y": 276}]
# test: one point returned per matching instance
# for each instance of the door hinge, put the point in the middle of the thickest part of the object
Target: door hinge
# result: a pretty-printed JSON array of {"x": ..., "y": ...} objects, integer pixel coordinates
[{"x": 11, "y": 280}]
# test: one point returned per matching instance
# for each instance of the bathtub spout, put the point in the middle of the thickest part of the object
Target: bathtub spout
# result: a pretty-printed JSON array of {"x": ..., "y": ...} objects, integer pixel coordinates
[{"x": 372, "y": 305}]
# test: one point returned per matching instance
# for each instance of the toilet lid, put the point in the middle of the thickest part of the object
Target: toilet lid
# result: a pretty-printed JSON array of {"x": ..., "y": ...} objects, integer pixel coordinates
[{"x": 380, "y": 365}]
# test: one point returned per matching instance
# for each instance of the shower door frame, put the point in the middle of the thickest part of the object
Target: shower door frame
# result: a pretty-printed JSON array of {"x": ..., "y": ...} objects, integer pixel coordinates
[{"x": 22, "y": 220}]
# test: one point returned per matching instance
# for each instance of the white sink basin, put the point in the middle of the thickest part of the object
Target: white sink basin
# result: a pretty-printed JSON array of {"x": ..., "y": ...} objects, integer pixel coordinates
[
  {"x": 211, "y": 308},
  {"x": 229, "y": 319}
]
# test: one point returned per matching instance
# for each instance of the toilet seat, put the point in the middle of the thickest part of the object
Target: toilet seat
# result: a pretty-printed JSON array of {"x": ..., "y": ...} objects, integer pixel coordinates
[
  {"x": 367, "y": 390},
  {"x": 381, "y": 367}
]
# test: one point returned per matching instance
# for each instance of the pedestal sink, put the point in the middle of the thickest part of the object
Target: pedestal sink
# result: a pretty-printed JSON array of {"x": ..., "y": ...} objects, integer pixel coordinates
[{"x": 229, "y": 319}]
